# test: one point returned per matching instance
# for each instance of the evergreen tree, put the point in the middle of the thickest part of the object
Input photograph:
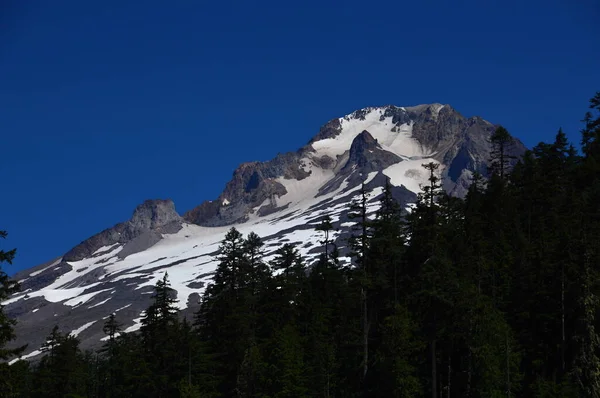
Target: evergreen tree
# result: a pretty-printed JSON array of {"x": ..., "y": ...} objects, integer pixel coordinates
[
  {"x": 360, "y": 245},
  {"x": 7, "y": 333},
  {"x": 288, "y": 260},
  {"x": 62, "y": 371},
  {"x": 326, "y": 227},
  {"x": 254, "y": 272},
  {"x": 111, "y": 328},
  {"x": 7, "y": 288},
  {"x": 590, "y": 135},
  {"x": 159, "y": 337},
  {"x": 432, "y": 269},
  {"x": 502, "y": 142}
]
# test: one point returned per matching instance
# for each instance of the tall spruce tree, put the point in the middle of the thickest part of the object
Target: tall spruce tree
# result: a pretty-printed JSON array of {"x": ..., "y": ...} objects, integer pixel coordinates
[
  {"x": 7, "y": 288},
  {"x": 359, "y": 244},
  {"x": 326, "y": 227},
  {"x": 430, "y": 267},
  {"x": 62, "y": 370},
  {"x": 111, "y": 329},
  {"x": 502, "y": 143},
  {"x": 159, "y": 329}
]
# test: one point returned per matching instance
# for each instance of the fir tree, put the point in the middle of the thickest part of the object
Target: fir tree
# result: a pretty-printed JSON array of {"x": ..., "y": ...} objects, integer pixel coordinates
[
  {"x": 61, "y": 372},
  {"x": 502, "y": 142},
  {"x": 7, "y": 288},
  {"x": 590, "y": 135},
  {"x": 360, "y": 246},
  {"x": 158, "y": 331},
  {"x": 111, "y": 329},
  {"x": 326, "y": 227}
]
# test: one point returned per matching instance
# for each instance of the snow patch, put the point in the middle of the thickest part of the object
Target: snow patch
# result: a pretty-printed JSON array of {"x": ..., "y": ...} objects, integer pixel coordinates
[
  {"x": 122, "y": 308},
  {"x": 409, "y": 173},
  {"x": 32, "y": 354},
  {"x": 83, "y": 298},
  {"x": 80, "y": 329},
  {"x": 137, "y": 324},
  {"x": 99, "y": 304},
  {"x": 392, "y": 137},
  {"x": 105, "y": 249}
]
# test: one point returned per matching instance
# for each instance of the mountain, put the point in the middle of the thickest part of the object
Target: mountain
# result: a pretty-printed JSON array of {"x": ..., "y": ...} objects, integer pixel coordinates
[{"x": 282, "y": 200}]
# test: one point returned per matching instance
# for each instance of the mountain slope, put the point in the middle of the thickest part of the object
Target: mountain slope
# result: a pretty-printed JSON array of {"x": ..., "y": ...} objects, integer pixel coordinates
[{"x": 281, "y": 200}]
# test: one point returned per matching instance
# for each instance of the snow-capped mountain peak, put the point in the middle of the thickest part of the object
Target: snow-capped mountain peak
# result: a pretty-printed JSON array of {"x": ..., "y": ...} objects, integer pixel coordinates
[{"x": 282, "y": 200}]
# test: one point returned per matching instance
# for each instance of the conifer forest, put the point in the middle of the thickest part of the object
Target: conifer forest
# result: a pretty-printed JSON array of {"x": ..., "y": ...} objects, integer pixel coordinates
[{"x": 493, "y": 295}]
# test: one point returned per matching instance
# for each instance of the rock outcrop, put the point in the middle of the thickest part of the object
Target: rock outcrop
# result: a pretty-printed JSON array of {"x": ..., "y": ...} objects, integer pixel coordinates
[{"x": 150, "y": 219}]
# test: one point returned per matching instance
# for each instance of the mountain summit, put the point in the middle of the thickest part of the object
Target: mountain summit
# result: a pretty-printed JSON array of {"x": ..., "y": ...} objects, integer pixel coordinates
[{"x": 282, "y": 200}]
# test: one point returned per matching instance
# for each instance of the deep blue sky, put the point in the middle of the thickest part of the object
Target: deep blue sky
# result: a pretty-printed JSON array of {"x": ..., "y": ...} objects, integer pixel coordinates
[{"x": 106, "y": 104}]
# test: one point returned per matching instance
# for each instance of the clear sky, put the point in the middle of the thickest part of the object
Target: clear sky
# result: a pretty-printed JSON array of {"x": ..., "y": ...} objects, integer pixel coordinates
[{"x": 106, "y": 104}]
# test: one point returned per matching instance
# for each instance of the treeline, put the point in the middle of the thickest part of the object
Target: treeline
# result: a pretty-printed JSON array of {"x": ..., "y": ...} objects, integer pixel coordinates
[{"x": 496, "y": 295}]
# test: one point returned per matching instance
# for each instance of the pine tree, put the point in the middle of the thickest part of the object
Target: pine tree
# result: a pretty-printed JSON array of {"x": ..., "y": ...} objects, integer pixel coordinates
[
  {"x": 590, "y": 135},
  {"x": 158, "y": 331},
  {"x": 431, "y": 269},
  {"x": 326, "y": 227},
  {"x": 288, "y": 260},
  {"x": 7, "y": 288},
  {"x": 386, "y": 250},
  {"x": 254, "y": 271},
  {"x": 502, "y": 142},
  {"x": 360, "y": 246},
  {"x": 61, "y": 372},
  {"x": 230, "y": 261},
  {"x": 111, "y": 329},
  {"x": 286, "y": 289}
]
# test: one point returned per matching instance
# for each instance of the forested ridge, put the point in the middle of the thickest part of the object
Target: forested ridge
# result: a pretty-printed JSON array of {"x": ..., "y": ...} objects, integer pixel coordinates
[{"x": 493, "y": 295}]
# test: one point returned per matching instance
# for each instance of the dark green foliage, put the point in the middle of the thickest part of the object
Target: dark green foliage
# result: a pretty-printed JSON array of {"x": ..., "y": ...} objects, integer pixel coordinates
[
  {"x": 502, "y": 142},
  {"x": 7, "y": 288},
  {"x": 326, "y": 227},
  {"x": 399, "y": 355},
  {"x": 62, "y": 371},
  {"x": 496, "y": 295},
  {"x": 9, "y": 378}
]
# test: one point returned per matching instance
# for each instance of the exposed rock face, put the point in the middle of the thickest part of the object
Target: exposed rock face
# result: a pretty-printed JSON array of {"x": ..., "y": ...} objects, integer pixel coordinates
[
  {"x": 156, "y": 215},
  {"x": 436, "y": 128},
  {"x": 461, "y": 144},
  {"x": 149, "y": 221},
  {"x": 330, "y": 129},
  {"x": 252, "y": 184},
  {"x": 368, "y": 156},
  {"x": 365, "y": 156}
]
